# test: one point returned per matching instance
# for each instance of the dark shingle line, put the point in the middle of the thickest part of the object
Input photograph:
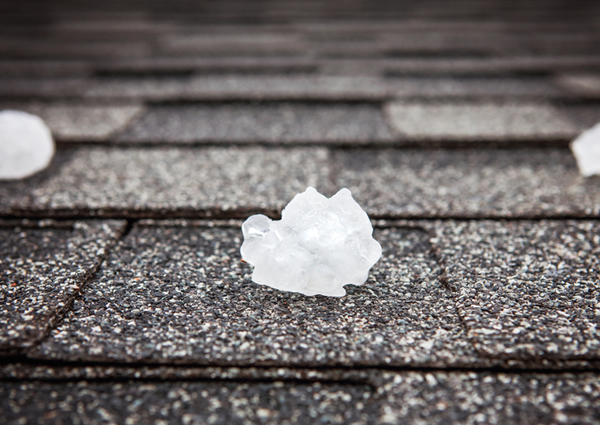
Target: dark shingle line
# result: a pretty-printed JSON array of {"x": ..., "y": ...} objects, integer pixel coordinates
[
  {"x": 215, "y": 214},
  {"x": 75, "y": 371},
  {"x": 92, "y": 241}
]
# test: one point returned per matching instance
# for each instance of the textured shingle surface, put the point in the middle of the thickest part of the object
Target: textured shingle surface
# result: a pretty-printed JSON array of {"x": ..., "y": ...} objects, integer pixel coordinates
[
  {"x": 435, "y": 397},
  {"x": 467, "y": 183},
  {"x": 190, "y": 299},
  {"x": 525, "y": 289},
  {"x": 42, "y": 268},
  {"x": 471, "y": 398},
  {"x": 236, "y": 87},
  {"x": 314, "y": 86},
  {"x": 277, "y": 123},
  {"x": 186, "y": 117},
  {"x": 196, "y": 181},
  {"x": 82, "y": 122},
  {"x": 471, "y": 87},
  {"x": 187, "y": 402},
  {"x": 388, "y": 183},
  {"x": 479, "y": 121}
]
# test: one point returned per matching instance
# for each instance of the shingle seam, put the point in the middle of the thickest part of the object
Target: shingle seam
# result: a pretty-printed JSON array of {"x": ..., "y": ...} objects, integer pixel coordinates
[{"x": 59, "y": 315}]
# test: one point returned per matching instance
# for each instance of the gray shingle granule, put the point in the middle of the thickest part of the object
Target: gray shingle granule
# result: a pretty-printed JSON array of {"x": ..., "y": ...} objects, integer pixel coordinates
[
  {"x": 214, "y": 402},
  {"x": 181, "y": 295},
  {"x": 467, "y": 183},
  {"x": 198, "y": 181},
  {"x": 41, "y": 269},
  {"x": 274, "y": 123},
  {"x": 525, "y": 289}
]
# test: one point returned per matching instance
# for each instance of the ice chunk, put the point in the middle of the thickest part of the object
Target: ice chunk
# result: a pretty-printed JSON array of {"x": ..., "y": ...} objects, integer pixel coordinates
[
  {"x": 26, "y": 144},
  {"x": 586, "y": 149},
  {"x": 317, "y": 247}
]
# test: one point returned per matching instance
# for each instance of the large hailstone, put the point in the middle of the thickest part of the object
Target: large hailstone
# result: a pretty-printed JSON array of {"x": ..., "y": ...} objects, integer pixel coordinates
[
  {"x": 317, "y": 247},
  {"x": 26, "y": 145},
  {"x": 586, "y": 149}
]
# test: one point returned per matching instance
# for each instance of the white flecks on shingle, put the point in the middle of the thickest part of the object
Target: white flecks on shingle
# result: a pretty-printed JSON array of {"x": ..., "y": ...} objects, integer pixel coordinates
[{"x": 478, "y": 121}]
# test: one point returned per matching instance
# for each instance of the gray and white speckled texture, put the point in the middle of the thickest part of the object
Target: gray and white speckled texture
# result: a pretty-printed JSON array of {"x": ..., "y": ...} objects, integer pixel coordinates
[
  {"x": 41, "y": 269},
  {"x": 182, "y": 295},
  {"x": 274, "y": 123},
  {"x": 141, "y": 345},
  {"x": 517, "y": 183},
  {"x": 434, "y": 397},
  {"x": 214, "y": 402},
  {"x": 83, "y": 122},
  {"x": 494, "y": 121},
  {"x": 491, "y": 398},
  {"x": 422, "y": 89},
  {"x": 525, "y": 289},
  {"x": 127, "y": 181},
  {"x": 315, "y": 86},
  {"x": 236, "y": 87}
]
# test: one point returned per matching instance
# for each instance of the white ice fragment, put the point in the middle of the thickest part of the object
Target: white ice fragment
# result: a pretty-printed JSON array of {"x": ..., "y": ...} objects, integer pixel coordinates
[
  {"x": 586, "y": 149},
  {"x": 26, "y": 144},
  {"x": 317, "y": 247}
]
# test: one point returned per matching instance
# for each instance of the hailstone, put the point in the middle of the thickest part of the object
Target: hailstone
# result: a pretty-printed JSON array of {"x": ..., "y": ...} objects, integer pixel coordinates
[
  {"x": 586, "y": 149},
  {"x": 317, "y": 247},
  {"x": 26, "y": 144}
]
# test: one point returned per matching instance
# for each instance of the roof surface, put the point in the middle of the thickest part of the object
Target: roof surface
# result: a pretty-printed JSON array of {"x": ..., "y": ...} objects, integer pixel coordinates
[{"x": 122, "y": 295}]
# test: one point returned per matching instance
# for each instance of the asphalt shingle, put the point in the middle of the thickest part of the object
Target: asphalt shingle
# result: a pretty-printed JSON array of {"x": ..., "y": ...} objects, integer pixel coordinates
[
  {"x": 434, "y": 397},
  {"x": 479, "y": 121},
  {"x": 239, "y": 87},
  {"x": 525, "y": 289},
  {"x": 585, "y": 114},
  {"x": 315, "y": 87},
  {"x": 42, "y": 267},
  {"x": 82, "y": 122},
  {"x": 185, "y": 181},
  {"x": 185, "y": 402},
  {"x": 505, "y": 398},
  {"x": 495, "y": 183},
  {"x": 182, "y": 295},
  {"x": 471, "y": 88},
  {"x": 274, "y": 123}
]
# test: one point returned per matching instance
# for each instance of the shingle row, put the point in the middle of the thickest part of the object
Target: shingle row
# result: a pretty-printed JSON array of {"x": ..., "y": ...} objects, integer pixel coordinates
[
  {"x": 437, "y": 397},
  {"x": 445, "y": 293},
  {"x": 182, "y": 82},
  {"x": 232, "y": 181},
  {"x": 399, "y": 123}
]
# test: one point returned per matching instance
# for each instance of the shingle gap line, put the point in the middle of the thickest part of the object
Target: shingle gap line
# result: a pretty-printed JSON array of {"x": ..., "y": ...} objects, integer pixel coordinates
[
  {"x": 237, "y": 215},
  {"x": 327, "y": 368}
]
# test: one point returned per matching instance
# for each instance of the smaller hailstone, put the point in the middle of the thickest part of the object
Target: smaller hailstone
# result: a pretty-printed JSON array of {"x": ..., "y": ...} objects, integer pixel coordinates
[
  {"x": 26, "y": 145},
  {"x": 317, "y": 247},
  {"x": 586, "y": 149}
]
